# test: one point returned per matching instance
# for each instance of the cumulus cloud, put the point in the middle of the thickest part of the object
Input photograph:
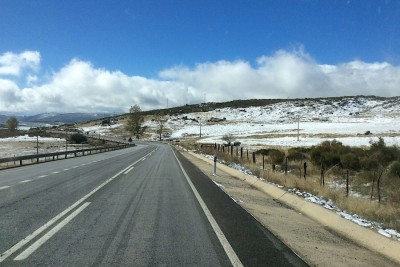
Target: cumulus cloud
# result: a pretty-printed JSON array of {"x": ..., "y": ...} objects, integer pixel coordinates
[
  {"x": 13, "y": 64},
  {"x": 81, "y": 87}
]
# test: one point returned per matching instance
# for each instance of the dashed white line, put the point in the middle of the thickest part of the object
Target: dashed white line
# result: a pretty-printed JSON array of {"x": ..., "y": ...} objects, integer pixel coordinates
[
  {"x": 4, "y": 187},
  {"x": 66, "y": 169},
  {"x": 75, "y": 167},
  {"x": 24, "y": 181},
  {"x": 55, "y": 172},
  {"x": 131, "y": 168},
  {"x": 38, "y": 231},
  {"x": 42, "y": 176},
  {"x": 25, "y": 254}
]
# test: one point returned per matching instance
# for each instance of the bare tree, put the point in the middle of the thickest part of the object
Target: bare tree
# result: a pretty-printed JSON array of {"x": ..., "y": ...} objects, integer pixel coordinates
[
  {"x": 160, "y": 120},
  {"x": 135, "y": 121},
  {"x": 12, "y": 124}
]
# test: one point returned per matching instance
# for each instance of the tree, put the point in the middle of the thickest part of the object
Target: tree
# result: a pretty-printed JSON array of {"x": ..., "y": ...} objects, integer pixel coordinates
[
  {"x": 135, "y": 121},
  {"x": 160, "y": 124},
  {"x": 12, "y": 124}
]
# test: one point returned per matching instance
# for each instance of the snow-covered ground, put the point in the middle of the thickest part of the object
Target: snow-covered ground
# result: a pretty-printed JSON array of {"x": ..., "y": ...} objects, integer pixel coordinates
[{"x": 310, "y": 121}]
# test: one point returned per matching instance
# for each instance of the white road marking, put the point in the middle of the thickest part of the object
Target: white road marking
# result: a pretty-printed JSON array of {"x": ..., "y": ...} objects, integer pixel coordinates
[
  {"x": 25, "y": 254},
  {"x": 4, "y": 187},
  {"x": 66, "y": 169},
  {"x": 30, "y": 237},
  {"x": 42, "y": 176},
  {"x": 25, "y": 181},
  {"x": 131, "y": 168},
  {"x": 75, "y": 167},
  {"x": 55, "y": 172},
  {"x": 221, "y": 237}
]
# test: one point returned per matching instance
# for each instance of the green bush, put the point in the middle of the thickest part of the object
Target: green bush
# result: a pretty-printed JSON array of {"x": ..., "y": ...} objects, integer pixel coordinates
[
  {"x": 369, "y": 164},
  {"x": 276, "y": 156},
  {"x": 350, "y": 161},
  {"x": 78, "y": 138},
  {"x": 297, "y": 153},
  {"x": 395, "y": 168}
]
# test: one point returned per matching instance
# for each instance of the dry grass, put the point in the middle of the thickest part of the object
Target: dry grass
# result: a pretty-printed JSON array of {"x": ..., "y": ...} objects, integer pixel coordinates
[{"x": 386, "y": 212}]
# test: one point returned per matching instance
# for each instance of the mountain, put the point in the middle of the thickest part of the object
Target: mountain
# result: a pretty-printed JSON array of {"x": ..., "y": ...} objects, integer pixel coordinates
[{"x": 58, "y": 118}]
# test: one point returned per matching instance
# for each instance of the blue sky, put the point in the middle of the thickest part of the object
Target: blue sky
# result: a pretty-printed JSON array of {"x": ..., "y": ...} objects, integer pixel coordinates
[{"x": 181, "y": 50}]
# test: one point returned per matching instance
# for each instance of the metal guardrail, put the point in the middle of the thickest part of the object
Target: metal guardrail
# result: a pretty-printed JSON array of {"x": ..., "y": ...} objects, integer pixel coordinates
[
  {"x": 56, "y": 155},
  {"x": 64, "y": 154}
]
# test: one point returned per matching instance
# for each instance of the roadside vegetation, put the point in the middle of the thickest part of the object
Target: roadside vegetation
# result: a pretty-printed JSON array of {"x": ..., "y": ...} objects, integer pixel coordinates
[{"x": 362, "y": 181}]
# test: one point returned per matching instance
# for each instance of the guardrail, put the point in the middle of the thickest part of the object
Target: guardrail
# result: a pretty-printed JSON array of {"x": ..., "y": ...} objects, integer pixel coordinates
[{"x": 35, "y": 158}]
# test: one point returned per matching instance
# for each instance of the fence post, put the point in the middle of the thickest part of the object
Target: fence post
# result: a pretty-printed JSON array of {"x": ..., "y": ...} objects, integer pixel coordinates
[
  {"x": 347, "y": 183},
  {"x": 247, "y": 154},
  {"x": 263, "y": 161},
  {"x": 254, "y": 157},
  {"x": 241, "y": 152},
  {"x": 286, "y": 160}
]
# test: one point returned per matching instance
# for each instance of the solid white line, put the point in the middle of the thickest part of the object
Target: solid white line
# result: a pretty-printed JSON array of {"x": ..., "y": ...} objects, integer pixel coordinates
[
  {"x": 4, "y": 187},
  {"x": 222, "y": 239},
  {"x": 25, "y": 181},
  {"x": 27, "y": 239},
  {"x": 25, "y": 254},
  {"x": 131, "y": 168}
]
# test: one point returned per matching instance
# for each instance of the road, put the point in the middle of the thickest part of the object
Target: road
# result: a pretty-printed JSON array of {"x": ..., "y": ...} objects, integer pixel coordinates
[{"x": 141, "y": 206}]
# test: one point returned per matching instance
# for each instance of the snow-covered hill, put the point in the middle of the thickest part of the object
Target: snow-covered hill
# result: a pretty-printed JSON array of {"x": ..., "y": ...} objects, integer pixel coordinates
[{"x": 347, "y": 120}]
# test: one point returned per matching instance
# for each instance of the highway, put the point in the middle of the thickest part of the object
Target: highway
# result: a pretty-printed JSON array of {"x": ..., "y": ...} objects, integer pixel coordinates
[{"x": 141, "y": 206}]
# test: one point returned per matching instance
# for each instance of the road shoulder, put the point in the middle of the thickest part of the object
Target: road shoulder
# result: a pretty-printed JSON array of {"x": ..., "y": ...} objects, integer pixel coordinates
[{"x": 313, "y": 241}]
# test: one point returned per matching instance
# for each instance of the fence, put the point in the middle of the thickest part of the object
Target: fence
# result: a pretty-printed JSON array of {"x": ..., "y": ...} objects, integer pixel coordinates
[{"x": 56, "y": 155}]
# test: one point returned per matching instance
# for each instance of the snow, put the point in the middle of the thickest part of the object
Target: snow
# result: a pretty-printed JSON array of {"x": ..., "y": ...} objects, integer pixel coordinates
[
  {"x": 346, "y": 120},
  {"x": 26, "y": 138}
]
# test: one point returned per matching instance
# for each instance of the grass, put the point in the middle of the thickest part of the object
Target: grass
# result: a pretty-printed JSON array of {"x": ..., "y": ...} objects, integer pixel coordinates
[{"x": 387, "y": 212}]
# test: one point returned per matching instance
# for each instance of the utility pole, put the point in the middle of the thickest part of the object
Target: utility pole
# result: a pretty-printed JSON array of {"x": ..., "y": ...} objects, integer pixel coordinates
[
  {"x": 37, "y": 146},
  {"x": 66, "y": 143},
  {"x": 298, "y": 127},
  {"x": 200, "y": 126}
]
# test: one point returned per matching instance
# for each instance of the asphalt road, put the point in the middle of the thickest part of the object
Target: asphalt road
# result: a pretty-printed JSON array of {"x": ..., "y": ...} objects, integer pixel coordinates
[{"x": 141, "y": 206}]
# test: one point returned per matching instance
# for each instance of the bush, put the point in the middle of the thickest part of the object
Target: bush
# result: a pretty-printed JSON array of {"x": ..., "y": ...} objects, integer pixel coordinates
[
  {"x": 297, "y": 153},
  {"x": 276, "y": 156},
  {"x": 350, "y": 161},
  {"x": 78, "y": 138},
  {"x": 395, "y": 168},
  {"x": 369, "y": 164}
]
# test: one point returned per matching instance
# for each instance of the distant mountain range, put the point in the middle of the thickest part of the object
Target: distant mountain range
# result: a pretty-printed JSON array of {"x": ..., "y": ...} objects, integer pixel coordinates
[{"x": 58, "y": 118}]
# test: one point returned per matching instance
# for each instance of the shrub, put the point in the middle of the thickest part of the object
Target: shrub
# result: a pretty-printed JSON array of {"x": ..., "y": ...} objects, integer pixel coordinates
[
  {"x": 276, "y": 156},
  {"x": 296, "y": 153},
  {"x": 369, "y": 164},
  {"x": 350, "y": 161},
  {"x": 395, "y": 168},
  {"x": 78, "y": 138}
]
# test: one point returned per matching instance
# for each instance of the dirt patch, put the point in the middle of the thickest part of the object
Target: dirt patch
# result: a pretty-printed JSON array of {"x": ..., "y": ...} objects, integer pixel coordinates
[{"x": 316, "y": 244}]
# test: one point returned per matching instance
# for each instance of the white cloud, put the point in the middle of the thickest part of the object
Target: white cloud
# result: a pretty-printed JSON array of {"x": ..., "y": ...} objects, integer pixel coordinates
[
  {"x": 81, "y": 87},
  {"x": 13, "y": 64}
]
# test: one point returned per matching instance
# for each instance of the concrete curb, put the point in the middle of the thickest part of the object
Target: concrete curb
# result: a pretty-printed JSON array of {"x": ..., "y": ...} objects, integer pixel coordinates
[{"x": 363, "y": 236}]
